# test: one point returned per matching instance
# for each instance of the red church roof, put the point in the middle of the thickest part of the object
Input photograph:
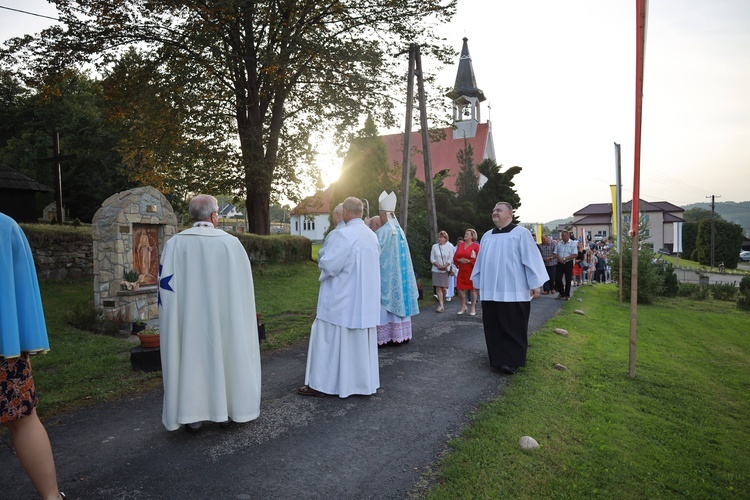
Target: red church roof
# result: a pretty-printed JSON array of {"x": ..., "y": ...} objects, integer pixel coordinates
[{"x": 442, "y": 154}]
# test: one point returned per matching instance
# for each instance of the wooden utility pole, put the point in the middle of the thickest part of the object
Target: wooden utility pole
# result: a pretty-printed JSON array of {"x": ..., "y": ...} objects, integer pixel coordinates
[
  {"x": 430, "y": 191},
  {"x": 415, "y": 68},
  {"x": 406, "y": 165},
  {"x": 713, "y": 231},
  {"x": 56, "y": 158}
]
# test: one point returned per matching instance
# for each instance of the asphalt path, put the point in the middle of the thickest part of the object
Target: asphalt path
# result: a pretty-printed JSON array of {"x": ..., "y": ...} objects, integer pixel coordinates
[{"x": 380, "y": 446}]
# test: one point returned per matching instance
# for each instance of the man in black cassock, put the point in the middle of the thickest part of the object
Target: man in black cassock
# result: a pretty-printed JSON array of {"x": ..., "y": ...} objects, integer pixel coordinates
[{"x": 509, "y": 272}]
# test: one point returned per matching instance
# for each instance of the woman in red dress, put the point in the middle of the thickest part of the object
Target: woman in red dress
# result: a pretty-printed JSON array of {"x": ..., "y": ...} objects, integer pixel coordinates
[{"x": 464, "y": 258}]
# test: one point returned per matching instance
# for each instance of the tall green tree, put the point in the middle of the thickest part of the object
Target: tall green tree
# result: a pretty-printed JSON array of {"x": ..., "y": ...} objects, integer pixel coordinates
[
  {"x": 466, "y": 183},
  {"x": 365, "y": 172},
  {"x": 70, "y": 103},
  {"x": 280, "y": 70},
  {"x": 728, "y": 239},
  {"x": 499, "y": 187}
]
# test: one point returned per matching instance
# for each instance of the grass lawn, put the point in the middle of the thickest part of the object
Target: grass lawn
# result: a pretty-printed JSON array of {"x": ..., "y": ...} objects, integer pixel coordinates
[{"x": 681, "y": 428}]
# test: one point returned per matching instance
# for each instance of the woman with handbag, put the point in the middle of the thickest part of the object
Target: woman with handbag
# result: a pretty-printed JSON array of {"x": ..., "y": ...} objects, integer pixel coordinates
[
  {"x": 465, "y": 257},
  {"x": 441, "y": 257}
]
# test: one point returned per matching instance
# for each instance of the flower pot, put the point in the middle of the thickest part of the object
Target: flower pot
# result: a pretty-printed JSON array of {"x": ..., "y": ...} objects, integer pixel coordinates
[
  {"x": 138, "y": 327},
  {"x": 149, "y": 339}
]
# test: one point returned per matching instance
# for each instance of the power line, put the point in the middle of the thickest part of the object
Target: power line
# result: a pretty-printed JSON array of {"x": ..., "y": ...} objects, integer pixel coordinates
[{"x": 29, "y": 13}]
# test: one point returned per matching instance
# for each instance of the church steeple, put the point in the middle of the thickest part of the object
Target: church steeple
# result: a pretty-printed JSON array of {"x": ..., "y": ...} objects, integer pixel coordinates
[{"x": 466, "y": 97}]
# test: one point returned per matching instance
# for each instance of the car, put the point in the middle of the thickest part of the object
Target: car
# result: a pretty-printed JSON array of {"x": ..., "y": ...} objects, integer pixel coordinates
[
  {"x": 664, "y": 251},
  {"x": 745, "y": 256}
]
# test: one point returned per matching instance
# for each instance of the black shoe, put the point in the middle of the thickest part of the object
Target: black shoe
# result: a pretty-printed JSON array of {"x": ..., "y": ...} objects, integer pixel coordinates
[
  {"x": 194, "y": 427},
  {"x": 509, "y": 370}
]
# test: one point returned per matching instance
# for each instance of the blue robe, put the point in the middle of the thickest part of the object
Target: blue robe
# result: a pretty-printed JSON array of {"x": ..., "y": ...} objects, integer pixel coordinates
[
  {"x": 398, "y": 285},
  {"x": 22, "y": 326}
]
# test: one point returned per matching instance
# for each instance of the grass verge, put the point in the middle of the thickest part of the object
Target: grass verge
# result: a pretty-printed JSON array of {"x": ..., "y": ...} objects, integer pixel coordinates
[{"x": 678, "y": 429}]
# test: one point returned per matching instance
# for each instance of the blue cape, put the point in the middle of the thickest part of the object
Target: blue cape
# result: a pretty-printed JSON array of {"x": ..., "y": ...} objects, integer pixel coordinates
[{"x": 22, "y": 326}]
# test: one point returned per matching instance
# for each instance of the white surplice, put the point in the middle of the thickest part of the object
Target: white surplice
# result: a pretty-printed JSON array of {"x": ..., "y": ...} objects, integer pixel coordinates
[
  {"x": 209, "y": 335},
  {"x": 508, "y": 266},
  {"x": 342, "y": 357}
]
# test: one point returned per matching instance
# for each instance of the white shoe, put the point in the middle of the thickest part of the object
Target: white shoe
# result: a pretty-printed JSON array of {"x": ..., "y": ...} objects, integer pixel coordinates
[{"x": 448, "y": 298}]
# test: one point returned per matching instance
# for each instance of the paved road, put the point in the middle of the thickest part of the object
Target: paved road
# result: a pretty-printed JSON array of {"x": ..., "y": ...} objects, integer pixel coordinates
[{"x": 300, "y": 447}]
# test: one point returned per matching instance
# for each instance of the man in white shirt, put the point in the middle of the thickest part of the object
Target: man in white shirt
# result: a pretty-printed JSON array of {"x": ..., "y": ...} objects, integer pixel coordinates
[
  {"x": 509, "y": 272},
  {"x": 342, "y": 358},
  {"x": 565, "y": 253}
]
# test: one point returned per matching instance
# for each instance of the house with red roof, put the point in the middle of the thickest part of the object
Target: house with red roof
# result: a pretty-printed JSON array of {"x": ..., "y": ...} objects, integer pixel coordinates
[
  {"x": 663, "y": 219},
  {"x": 308, "y": 217}
]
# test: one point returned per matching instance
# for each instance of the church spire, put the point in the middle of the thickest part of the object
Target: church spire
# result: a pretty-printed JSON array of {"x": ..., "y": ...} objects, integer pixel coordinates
[{"x": 466, "y": 96}]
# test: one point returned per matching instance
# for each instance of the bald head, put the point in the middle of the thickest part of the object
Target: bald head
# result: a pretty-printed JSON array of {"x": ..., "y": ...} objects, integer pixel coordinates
[{"x": 352, "y": 208}]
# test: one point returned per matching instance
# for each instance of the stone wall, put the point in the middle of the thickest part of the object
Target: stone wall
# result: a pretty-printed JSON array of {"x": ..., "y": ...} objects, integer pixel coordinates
[
  {"x": 63, "y": 260},
  {"x": 60, "y": 252}
]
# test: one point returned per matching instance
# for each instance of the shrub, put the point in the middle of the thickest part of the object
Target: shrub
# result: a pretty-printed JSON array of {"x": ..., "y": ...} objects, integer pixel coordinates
[
  {"x": 86, "y": 316},
  {"x": 701, "y": 293},
  {"x": 687, "y": 289},
  {"x": 670, "y": 282},
  {"x": 650, "y": 281},
  {"x": 745, "y": 285},
  {"x": 723, "y": 291},
  {"x": 743, "y": 301}
]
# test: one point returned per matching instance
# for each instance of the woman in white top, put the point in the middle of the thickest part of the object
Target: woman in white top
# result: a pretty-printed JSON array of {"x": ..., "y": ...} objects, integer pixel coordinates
[{"x": 441, "y": 257}]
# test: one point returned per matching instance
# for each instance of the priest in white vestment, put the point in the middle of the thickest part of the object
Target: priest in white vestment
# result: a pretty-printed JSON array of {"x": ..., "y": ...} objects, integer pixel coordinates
[
  {"x": 342, "y": 358},
  {"x": 210, "y": 351},
  {"x": 509, "y": 272},
  {"x": 398, "y": 285}
]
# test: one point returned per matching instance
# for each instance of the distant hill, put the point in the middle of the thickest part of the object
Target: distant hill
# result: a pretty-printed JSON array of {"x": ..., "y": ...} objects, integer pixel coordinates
[{"x": 737, "y": 212}]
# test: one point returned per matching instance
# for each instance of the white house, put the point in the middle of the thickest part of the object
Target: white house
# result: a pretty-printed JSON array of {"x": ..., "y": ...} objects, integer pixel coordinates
[{"x": 311, "y": 217}]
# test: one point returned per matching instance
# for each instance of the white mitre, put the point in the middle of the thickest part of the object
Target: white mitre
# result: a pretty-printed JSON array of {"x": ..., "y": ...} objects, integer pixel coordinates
[{"x": 387, "y": 201}]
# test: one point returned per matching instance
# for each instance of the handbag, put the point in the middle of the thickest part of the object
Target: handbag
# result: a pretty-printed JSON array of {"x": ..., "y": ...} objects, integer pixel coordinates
[{"x": 452, "y": 270}]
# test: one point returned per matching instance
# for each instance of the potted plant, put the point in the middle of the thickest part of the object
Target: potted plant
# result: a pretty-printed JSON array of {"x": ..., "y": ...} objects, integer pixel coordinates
[
  {"x": 138, "y": 326},
  {"x": 149, "y": 338},
  {"x": 130, "y": 280}
]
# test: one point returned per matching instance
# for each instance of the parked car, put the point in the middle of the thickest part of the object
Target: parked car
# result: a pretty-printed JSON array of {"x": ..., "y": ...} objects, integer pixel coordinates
[
  {"x": 664, "y": 251},
  {"x": 745, "y": 256}
]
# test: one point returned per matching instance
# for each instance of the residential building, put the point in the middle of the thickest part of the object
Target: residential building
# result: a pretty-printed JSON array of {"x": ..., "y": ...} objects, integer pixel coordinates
[{"x": 663, "y": 223}]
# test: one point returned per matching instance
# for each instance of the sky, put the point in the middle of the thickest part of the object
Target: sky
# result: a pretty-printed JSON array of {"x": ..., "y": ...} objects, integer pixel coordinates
[{"x": 559, "y": 78}]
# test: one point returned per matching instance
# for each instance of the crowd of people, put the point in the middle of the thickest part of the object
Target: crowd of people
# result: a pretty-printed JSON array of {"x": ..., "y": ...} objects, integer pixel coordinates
[{"x": 210, "y": 350}]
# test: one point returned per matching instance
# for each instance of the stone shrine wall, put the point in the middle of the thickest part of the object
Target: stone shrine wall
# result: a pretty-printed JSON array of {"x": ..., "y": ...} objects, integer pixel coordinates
[{"x": 143, "y": 212}]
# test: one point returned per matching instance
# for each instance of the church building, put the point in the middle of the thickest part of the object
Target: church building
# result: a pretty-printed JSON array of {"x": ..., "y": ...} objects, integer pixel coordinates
[{"x": 310, "y": 217}]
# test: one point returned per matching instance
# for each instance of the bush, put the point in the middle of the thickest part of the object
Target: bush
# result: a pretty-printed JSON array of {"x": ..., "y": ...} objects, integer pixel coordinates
[
  {"x": 670, "y": 282},
  {"x": 723, "y": 291},
  {"x": 743, "y": 301},
  {"x": 686, "y": 289},
  {"x": 650, "y": 277},
  {"x": 86, "y": 316},
  {"x": 693, "y": 291},
  {"x": 745, "y": 285}
]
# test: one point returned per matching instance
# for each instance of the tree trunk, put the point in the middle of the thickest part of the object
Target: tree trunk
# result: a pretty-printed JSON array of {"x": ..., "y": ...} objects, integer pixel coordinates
[{"x": 258, "y": 209}]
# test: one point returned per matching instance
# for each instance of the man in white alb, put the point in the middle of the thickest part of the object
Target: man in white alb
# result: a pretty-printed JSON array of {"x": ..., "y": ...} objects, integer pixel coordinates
[{"x": 342, "y": 358}]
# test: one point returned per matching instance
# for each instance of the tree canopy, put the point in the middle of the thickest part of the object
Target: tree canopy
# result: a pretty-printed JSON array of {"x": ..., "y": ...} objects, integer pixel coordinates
[{"x": 252, "y": 81}]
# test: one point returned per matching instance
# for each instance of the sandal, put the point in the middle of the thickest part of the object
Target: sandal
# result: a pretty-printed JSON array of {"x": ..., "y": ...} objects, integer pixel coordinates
[
  {"x": 439, "y": 309},
  {"x": 306, "y": 390},
  {"x": 462, "y": 311}
]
